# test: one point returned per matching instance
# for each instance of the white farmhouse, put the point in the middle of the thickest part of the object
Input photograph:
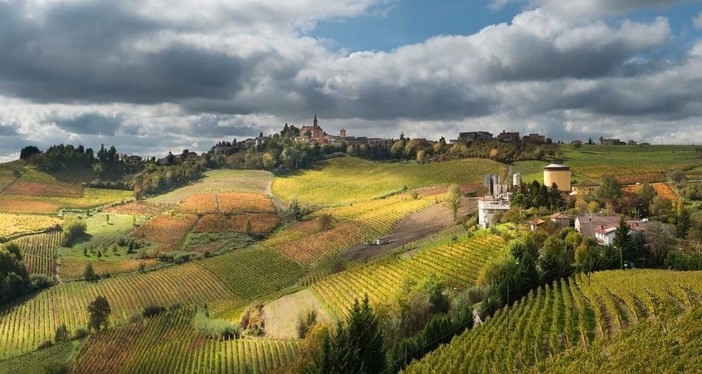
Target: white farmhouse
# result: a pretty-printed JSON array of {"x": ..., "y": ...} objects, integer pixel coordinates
[{"x": 487, "y": 208}]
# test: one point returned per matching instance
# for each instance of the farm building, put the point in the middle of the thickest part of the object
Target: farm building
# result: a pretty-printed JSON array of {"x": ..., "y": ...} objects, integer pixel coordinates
[
  {"x": 508, "y": 137},
  {"x": 558, "y": 174},
  {"x": 562, "y": 220},
  {"x": 586, "y": 225},
  {"x": 584, "y": 188}
]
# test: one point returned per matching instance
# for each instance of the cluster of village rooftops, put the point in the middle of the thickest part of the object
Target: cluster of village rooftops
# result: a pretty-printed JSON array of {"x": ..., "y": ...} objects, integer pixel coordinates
[{"x": 602, "y": 228}]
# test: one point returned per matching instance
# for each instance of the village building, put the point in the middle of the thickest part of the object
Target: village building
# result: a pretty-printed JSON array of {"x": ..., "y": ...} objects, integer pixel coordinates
[
  {"x": 508, "y": 137},
  {"x": 562, "y": 220},
  {"x": 312, "y": 134},
  {"x": 584, "y": 188},
  {"x": 472, "y": 136},
  {"x": 587, "y": 224},
  {"x": 134, "y": 160},
  {"x": 535, "y": 223},
  {"x": 488, "y": 207},
  {"x": 534, "y": 139},
  {"x": 604, "y": 141}
]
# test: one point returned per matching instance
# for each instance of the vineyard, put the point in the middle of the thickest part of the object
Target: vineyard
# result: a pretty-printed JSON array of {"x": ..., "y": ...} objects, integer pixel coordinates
[
  {"x": 35, "y": 362},
  {"x": 18, "y": 223},
  {"x": 459, "y": 263},
  {"x": 346, "y": 180},
  {"x": 36, "y": 183},
  {"x": 662, "y": 190},
  {"x": 631, "y": 164},
  {"x": 253, "y": 272},
  {"x": 166, "y": 230},
  {"x": 570, "y": 314},
  {"x": 217, "y": 181},
  {"x": 226, "y": 203},
  {"x": 362, "y": 222},
  {"x": 39, "y": 252},
  {"x": 24, "y": 326},
  {"x": 73, "y": 268},
  {"x": 148, "y": 346},
  {"x": 92, "y": 197},
  {"x": 260, "y": 223}
]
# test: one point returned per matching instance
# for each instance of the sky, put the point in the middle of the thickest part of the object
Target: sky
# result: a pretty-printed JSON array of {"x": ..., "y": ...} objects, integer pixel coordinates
[{"x": 152, "y": 76}]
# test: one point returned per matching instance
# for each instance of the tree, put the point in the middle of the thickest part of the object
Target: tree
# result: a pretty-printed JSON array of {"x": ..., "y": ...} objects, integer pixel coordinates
[
  {"x": 622, "y": 240},
  {"x": 454, "y": 200},
  {"x": 645, "y": 195},
  {"x": 89, "y": 273},
  {"x": 62, "y": 334},
  {"x": 99, "y": 311},
  {"x": 610, "y": 189},
  {"x": 247, "y": 227},
  {"x": 325, "y": 222},
  {"x": 554, "y": 261},
  {"x": 354, "y": 348},
  {"x": 28, "y": 151}
]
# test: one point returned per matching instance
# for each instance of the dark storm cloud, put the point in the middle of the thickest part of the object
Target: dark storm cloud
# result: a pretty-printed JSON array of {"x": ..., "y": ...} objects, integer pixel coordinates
[
  {"x": 7, "y": 131},
  {"x": 91, "y": 124},
  {"x": 81, "y": 53}
]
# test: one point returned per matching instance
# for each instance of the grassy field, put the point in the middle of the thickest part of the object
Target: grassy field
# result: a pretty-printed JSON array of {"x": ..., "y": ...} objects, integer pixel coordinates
[
  {"x": 571, "y": 317},
  {"x": 103, "y": 234},
  {"x": 530, "y": 170},
  {"x": 251, "y": 181},
  {"x": 630, "y": 164},
  {"x": 346, "y": 180}
]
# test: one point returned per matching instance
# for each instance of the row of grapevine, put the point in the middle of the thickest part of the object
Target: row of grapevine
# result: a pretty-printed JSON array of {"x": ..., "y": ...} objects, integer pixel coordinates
[
  {"x": 253, "y": 272},
  {"x": 566, "y": 315},
  {"x": 24, "y": 326},
  {"x": 168, "y": 343},
  {"x": 365, "y": 221},
  {"x": 459, "y": 263},
  {"x": 39, "y": 252}
]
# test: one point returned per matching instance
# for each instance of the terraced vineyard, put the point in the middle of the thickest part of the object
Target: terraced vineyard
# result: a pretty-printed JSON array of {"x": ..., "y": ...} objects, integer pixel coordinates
[
  {"x": 568, "y": 315},
  {"x": 24, "y": 326},
  {"x": 39, "y": 252},
  {"x": 148, "y": 346},
  {"x": 458, "y": 262}
]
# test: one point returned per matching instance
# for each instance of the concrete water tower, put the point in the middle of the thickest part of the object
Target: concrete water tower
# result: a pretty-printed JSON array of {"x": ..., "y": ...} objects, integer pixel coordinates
[{"x": 558, "y": 174}]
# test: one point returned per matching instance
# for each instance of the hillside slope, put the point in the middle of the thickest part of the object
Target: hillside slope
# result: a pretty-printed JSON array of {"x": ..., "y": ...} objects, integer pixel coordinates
[{"x": 571, "y": 316}]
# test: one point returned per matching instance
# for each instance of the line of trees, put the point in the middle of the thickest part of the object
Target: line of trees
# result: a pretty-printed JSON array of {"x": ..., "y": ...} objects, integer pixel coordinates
[{"x": 15, "y": 280}]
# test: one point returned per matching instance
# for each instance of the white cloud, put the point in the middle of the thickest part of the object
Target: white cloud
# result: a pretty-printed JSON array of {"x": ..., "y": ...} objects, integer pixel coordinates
[{"x": 697, "y": 21}]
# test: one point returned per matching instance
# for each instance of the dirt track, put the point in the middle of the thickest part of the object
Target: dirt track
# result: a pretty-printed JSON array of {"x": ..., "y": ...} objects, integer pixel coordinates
[{"x": 413, "y": 227}]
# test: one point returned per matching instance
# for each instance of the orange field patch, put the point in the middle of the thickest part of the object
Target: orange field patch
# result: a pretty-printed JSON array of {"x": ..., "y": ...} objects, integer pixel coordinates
[
  {"x": 56, "y": 188},
  {"x": 260, "y": 223},
  {"x": 230, "y": 202},
  {"x": 663, "y": 190},
  {"x": 166, "y": 230},
  {"x": 72, "y": 268},
  {"x": 199, "y": 204},
  {"x": 15, "y": 204},
  {"x": 139, "y": 208},
  {"x": 227, "y": 202}
]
